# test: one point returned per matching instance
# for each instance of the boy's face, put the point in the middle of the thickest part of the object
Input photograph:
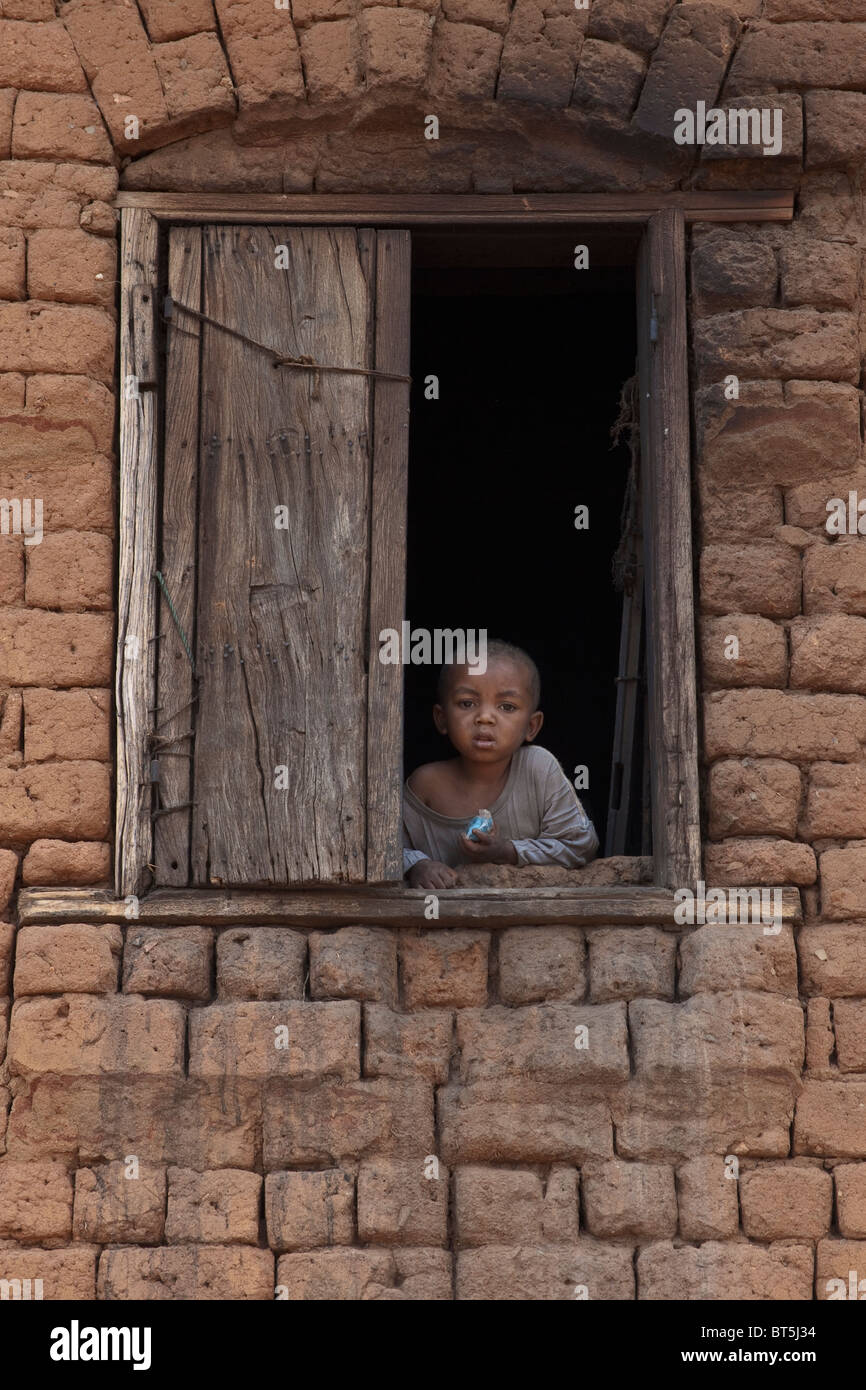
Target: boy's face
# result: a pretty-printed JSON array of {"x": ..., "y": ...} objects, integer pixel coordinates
[{"x": 488, "y": 717}]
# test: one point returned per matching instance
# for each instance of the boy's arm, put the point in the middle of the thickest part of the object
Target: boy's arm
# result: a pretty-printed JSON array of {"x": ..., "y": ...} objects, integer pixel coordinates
[
  {"x": 431, "y": 874},
  {"x": 412, "y": 856},
  {"x": 567, "y": 835}
]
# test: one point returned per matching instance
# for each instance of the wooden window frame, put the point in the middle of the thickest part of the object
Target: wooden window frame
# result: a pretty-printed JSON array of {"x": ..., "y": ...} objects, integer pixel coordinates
[{"x": 665, "y": 451}]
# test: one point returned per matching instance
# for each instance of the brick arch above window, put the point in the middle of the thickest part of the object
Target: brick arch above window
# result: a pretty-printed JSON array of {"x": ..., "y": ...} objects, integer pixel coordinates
[{"x": 541, "y": 95}]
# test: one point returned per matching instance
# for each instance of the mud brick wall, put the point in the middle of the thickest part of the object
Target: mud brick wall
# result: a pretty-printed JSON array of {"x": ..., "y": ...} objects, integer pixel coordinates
[{"x": 430, "y": 1130}]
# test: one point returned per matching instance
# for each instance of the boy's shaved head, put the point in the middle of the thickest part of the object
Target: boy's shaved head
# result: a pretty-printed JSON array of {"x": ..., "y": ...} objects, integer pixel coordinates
[{"x": 496, "y": 648}]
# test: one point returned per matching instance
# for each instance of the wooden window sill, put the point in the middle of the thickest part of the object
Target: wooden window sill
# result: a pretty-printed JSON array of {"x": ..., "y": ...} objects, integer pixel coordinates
[{"x": 629, "y": 906}]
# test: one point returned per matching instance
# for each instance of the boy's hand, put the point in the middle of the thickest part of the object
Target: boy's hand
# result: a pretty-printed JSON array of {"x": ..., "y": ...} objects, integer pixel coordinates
[
  {"x": 488, "y": 847},
  {"x": 430, "y": 873}
]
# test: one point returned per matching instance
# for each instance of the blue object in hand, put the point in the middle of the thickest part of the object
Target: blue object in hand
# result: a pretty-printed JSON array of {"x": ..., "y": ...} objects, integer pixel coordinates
[{"x": 483, "y": 822}]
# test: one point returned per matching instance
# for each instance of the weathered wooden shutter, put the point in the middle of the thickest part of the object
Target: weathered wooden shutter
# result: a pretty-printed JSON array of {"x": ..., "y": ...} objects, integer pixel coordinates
[
  {"x": 283, "y": 554},
  {"x": 667, "y": 543}
]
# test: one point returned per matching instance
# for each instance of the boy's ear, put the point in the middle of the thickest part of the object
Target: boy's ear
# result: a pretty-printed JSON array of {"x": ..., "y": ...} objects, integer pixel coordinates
[
  {"x": 439, "y": 719},
  {"x": 534, "y": 726}
]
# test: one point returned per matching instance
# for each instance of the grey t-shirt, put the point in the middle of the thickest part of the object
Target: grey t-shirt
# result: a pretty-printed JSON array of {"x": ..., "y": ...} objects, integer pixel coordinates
[{"x": 537, "y": 809}]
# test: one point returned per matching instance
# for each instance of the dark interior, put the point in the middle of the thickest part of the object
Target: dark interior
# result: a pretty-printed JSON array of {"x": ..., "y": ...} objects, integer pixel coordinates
[{"x": 530, "y": 360}]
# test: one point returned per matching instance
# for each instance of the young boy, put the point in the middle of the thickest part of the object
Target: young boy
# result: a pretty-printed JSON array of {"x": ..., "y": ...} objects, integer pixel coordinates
[{"x": 491, "y": 720}]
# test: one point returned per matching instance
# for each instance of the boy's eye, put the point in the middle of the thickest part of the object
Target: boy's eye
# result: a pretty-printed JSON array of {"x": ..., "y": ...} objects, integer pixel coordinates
[
  {"x": 465, "y": 704},
  {"x": 508, "y": 708}
]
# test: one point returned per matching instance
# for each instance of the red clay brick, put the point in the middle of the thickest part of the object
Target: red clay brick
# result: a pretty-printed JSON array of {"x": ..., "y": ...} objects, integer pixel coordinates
[
  {"x": 198, "y": 1272},
  {"x": 35, "y": 1201},
  {"x": 67, "y": 724},
  {"x": 849, "y": 1025},
  {"x": 67, "y": 1275},
  {"x": 725, "y": 1270},
  {"x": 38, "y": 194},
  {"x": 833, "y": 959},
  {"x": 397, "y": 44},
  {"x": 336, "y": 1121},
  {"x": 39, "y": 58},
  {"x": 111, "y": 42},
  {"x": 803, "y": 344},
  {"x": 541, "y": 964},
  {"x": 830, "y": 1119},
  {"x": 43, "y": 337},
  {"x": 354, "y": 963},
  {"x": 174, "y": 962},
  {"x": 444, "y": 968},
  {"x": 822, "y": 274},
  {"x": 216, "y": 1208},
  {"x": 465, "y": 60},
  {"x": 629, "y": 1200},
  {"x": 12, "y": 568},
  {"x": 56, "y": 649},
  {"x": 120, "y": 1204},
  {"x": 407, "y": 1045},
  {"x": 308, "y": 1210},
  {"x": 71, "y": 570},
  {"x": 827, "y": 653},
  {"x": 836, "y": 805},
  {"x": 11, "y": 712},
  {"x": 513, "y": 1121},
  {"x": 499, "y": 1206},
  {"x": 398, "y": 1205},
  {"x": 64, "y": 863},
  {"x": 261, "y": 963},
  {"x": 242, "y": 1040},
  {"x": 161, "y": 1119},
  {"x": 839, "y": 1269},
  {"x": 843, "y": 882},
  {"x": 784, "y": 724},
  {"x": 630, "y": 963},
  {"x": 81, "y": 1035},
  {"x": 757, "y": 656},
  {"x": 13, "y": 253},
  {"x": 77, "y": 399},
  {"x": 11, "y": 391},
  {"x": 755, "y": 862},
  {"x": 737, "y": 956},
  {"x": 8, "y": 98},
  {"x": 71, "y": 267},
  {"x": 174, "y": 19},
  {"x": 59, "y": 127},
  {"x": 498, "y": 1273},
  {"x": 754, "y": 796},
  {"x": 7, "y": 947},
  {"x": 707, "y": 1199},
  {"x": 55, "y": 799},
  {"x": 263, "y": 51},
  {"x": 782, "y": 1202},
  {"x": 363, "y": 1275},
  {"x": 77, "y": 958},
  {"x": 762, "y": 578},
  {"x": 850, "y": 1180}
]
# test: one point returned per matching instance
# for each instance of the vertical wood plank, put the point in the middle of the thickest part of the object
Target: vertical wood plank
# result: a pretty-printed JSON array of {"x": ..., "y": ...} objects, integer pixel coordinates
[
  {"x": 175, "y": 682},
  {"x": 282, "y": 611},
  {"x": 667, "y": 537},
  {"x": 626, "y": 713},
  {"x": 134, "y": 681},
  {"x": 388, "y": 556}
]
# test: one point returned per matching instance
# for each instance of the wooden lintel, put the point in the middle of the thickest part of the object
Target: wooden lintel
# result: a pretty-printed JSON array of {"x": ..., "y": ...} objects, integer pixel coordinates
[
  {"x": 399, "y": 906},
  {"x": 419, "y": 209}
]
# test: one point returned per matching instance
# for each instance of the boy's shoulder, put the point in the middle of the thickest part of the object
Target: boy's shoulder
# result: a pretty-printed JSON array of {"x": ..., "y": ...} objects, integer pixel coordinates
[
  {"x": 537, "y": 761},
  {"x": 426, "y": 778}
]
